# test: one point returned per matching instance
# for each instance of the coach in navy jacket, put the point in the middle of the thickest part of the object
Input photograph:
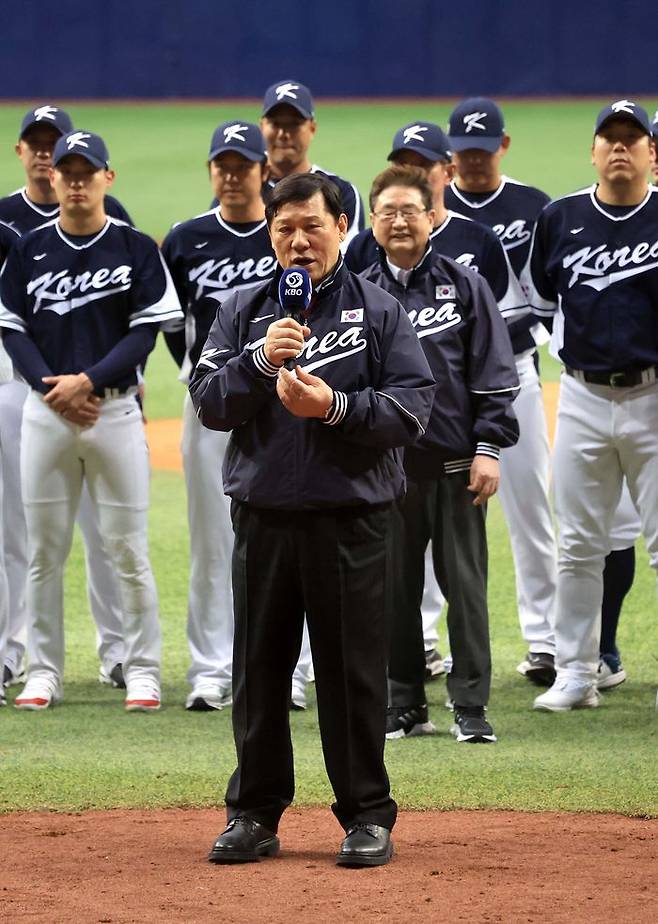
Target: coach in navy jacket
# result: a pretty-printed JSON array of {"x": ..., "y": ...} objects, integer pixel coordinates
[
  {"x": 453, "y": 467},
  {"x": 313, "y": 467}
]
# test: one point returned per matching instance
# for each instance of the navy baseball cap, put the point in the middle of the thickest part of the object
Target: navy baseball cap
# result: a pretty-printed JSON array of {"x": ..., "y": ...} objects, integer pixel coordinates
[
  {"x": 91, "y": 147},
  {"x": 623, "y": 109},
  {"x": 654, "y": 124},
  {"x": 47, "y": 115},
  {"x": 289, "y": 93},
  {"x": 242, "y": 137},
  {"x": 424, "y": 138},
  {"x": 476, "y": 123}
]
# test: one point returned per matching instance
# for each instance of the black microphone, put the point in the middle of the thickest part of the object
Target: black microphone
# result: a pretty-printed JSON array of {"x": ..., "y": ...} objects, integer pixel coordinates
[{"x": 295, "y": 292}]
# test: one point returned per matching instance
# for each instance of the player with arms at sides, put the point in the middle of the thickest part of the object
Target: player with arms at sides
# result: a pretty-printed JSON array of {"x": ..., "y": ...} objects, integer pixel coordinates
[
  {"x": 222, "y": 251},
  {"x": 313, "y": 470},
  {"x": 81, "y": 302},
  {"x": 288, "y": 125},
  {"x": 453, "y": 469},
  {"x": 24, "y": 210},
  {"x": 593, "y": 271}
]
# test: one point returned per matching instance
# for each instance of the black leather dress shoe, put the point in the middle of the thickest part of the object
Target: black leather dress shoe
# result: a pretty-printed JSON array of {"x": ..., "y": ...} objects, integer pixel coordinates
[
  {"x": 244, "y": 841},
  {"x": 365, "y": 845}
]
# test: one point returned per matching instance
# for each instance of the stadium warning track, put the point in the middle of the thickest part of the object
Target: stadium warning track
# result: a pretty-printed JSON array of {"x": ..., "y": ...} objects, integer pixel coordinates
[{"x": 147, "y": 866}]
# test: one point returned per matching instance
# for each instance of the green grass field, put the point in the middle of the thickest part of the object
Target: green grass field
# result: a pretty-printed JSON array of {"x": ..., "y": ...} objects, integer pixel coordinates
[{"x": 89, "y": 753}]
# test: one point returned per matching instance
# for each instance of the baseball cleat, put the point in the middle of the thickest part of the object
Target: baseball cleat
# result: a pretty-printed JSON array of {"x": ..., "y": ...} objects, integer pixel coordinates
[
  {"x": 10, "y": 677},
  {"x": 610, "y": 673},
  {"x": 297, "y": 698},
  {"x": 113, "y": 678},
  {"x": 471, "y": 727},
  {"x": 566, "y": 694},
  {"x": 142, "y": 696},
  {"x": 208, "y": 699},
  {"x": 408, "y": 722},
  {"x": 434, "y": 666},
  {"x": 538, "y": 667},
  {"x": 39, "y": 693}
]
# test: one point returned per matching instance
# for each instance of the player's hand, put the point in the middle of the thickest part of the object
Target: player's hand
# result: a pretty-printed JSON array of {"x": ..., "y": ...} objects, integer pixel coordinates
[
  {"x": 69, "y": 392},
  {"x": 86, "y": 415},
  {"x": 284, "y": 340},
  {"x": 302, "y": 394},
  {"x": 484, "y": 478}
]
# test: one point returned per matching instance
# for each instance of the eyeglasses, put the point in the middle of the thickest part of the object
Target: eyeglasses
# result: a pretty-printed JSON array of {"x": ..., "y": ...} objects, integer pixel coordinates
[{"x": 409, "y": 213}]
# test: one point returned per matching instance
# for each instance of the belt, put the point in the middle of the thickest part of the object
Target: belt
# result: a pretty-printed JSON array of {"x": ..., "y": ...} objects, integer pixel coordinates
[
  {"x": 616, "y": 379},
  {"x": 118, "y": 392}
]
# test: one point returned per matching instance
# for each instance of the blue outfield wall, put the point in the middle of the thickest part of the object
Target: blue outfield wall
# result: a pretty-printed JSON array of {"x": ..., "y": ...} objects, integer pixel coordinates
[{"x": 345, "y": 48}]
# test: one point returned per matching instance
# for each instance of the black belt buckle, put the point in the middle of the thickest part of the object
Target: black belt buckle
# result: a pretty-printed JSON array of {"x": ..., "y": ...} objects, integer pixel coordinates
[{"x": 618, "y": 379}]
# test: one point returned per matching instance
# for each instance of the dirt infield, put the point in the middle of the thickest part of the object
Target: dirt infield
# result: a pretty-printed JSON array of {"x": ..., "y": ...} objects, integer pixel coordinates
[
  {"x": 164, "y": 435},
  {"x": 117, "y": 867}
]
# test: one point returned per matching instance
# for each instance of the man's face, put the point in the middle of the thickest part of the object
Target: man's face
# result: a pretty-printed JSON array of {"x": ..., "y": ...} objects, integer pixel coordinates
[
  {"x": 287, "y": 136},
  {"x": 236, "y": 181},
  {"x": 35, "y": 150},
  {"x": 622, "y": 153},
  {"x": 479, "y": 170},
  {"x": 306, "y": 234},
  {"x": 438, "y": 173},
  {"x": 401, "y": 224},
  {"x": 79, "y": 186}
]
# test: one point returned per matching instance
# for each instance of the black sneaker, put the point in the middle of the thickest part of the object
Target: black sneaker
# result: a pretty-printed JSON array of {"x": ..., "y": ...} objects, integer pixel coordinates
[
  {"x": 539, "y": 668},
  {"x": 434, "y": 666},
  {"x": 408, "y": 722},
  {"x": 471, "y": 726}
]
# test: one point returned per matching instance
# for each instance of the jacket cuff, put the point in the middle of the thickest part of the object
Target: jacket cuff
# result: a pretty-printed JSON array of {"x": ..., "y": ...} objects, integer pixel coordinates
[
  {"x": 337, "y": 410},
  {"x": 262, "y": 363},
  {"x": 487, "y": 449}
]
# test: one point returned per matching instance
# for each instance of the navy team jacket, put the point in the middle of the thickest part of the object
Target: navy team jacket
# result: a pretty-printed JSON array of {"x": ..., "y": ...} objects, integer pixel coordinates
[
  {"x": 468, "y": 347},
  {"x": 364, "y": 346}
]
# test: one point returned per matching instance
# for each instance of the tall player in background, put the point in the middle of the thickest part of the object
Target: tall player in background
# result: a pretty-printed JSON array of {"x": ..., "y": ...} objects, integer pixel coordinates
[
  {"x": 593, "y": 269},
  {"x": 24, "y": 210},
  {"x": 511, "y": 208},
  {"x": 210, "y": 256},
  {"x": 82, "y": 299}
]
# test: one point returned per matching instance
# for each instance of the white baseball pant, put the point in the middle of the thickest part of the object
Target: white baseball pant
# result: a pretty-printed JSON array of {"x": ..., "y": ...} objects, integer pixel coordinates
[
  {"x": 603, "y": 435},
  {"x": 210, "y": 598},
  {"x": 111, "y": 457},
  {"x": 524, "y": 497},
  {"x": 432, "y": 603}
]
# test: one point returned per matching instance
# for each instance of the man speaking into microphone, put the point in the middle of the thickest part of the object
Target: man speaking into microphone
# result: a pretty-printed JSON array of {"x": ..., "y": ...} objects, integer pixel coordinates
[{"x": 313, "y": 467}]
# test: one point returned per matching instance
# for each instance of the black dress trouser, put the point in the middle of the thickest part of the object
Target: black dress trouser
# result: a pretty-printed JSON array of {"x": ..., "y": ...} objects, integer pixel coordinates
[
  {"x": 334, "y": 566},
  {"x": 441, "y": 510}
]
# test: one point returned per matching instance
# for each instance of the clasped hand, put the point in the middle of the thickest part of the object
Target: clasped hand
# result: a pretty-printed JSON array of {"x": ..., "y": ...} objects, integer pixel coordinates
[{"x": 72, "y": 397}]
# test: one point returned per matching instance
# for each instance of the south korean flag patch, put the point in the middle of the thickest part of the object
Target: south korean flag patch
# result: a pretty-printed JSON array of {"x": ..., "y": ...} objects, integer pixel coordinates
[
  {"x": 444, "y": 292},
  {"x": 352, "y": 316}
]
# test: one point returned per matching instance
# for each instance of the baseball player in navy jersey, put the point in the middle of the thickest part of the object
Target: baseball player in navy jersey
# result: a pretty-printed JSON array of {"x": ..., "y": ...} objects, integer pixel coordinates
[
  {"x": 313, "y": 471},
  {"x": 211, "y": 256},
  {"x": 81, "y": 301},
  {"x": 424, "y": 145},
  {"x": 511, "y": 208},
  {"x": 593, "y": 271},
  {"x": 26, "y": 209},
  {"x": 654, "y": 130},
  {"x": 479, "y": 190},
  {"x": 452, "y": 470}
]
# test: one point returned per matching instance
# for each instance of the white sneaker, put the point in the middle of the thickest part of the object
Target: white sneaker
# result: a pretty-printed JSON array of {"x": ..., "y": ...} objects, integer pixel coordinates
[
  {"x": 607, "y": 677},
  {"x": 39, "y": 692},
  {"x": 566, "y": 694},
  {"x": 208, "y": 698},
  {"x": 142, "y": 695}
]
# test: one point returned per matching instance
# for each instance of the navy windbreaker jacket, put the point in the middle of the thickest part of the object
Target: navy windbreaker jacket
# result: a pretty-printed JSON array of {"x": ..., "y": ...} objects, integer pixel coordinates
[{"x": 364, "y": 346}]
